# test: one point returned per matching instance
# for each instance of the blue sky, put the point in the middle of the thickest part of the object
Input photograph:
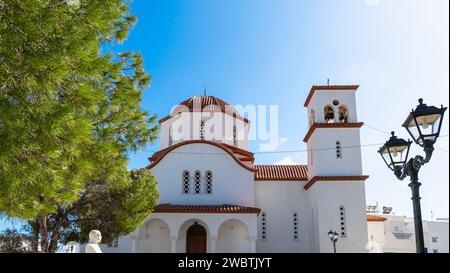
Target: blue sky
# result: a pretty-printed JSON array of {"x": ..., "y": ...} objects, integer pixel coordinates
[{"x": 267, "y": 52}]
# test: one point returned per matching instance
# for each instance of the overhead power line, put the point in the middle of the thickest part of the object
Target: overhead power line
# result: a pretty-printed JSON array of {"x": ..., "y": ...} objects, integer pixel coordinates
[{"x": 287, "y": 151}]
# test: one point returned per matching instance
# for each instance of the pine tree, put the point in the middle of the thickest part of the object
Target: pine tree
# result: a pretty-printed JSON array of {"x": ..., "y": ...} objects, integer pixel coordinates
[{"x": 69, "y": 111}]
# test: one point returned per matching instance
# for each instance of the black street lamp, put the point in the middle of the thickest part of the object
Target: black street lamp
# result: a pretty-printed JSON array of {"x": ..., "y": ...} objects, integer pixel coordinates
[
  {"x": 334, "y": 236},
  {"x": 424, "y": 126}
]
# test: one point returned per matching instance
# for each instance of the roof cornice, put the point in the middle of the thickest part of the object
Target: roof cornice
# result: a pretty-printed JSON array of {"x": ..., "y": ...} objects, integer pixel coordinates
[
  {"x": 375, "y": 218},
  {"x": 315, "y": 88},
  {"x": 355, "y": 178},
  {"x": 158, "y": 156},
  {"x": 316, "y": 125},
  {"x": 225, "y": 208}
]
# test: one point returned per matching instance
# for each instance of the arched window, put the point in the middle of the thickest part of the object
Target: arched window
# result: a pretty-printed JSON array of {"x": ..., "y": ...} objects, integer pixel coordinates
[
  {"x": 328, "y": 114},
  {"x": 338, "y": 149},
  {"x": 202, "y": 129},
  {"x": 186, "y": 182},
  {"x": 197, "y": 182},
  {"x": 208, "y": 182},
  {"x": 343, "y": 114}
]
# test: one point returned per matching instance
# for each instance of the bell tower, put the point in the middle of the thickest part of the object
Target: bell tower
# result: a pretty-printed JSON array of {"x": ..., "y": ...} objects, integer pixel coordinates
[
  {"x": 335, "y": 184},
  {"x": 333, "y": 137}
]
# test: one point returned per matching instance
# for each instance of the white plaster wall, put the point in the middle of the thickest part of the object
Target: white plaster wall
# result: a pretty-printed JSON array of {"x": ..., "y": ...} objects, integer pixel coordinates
[
  {"x": 323, "y": 146},
  {"x": 438, "y": 229},
  {"x": 326, "y": 199},
  {"x": 313, "y": 210},
  {"x": 233, "y": 237},
  {"x": 321, "y": 98},
  {"x": 124, "y": 246},
  {"x": 232, "y": 184},
  {"x": 155, "y": 237},
  {"x": 279, "y": 200},
  {"x": 404, "y": 226},
  {"x": 376, "y": 241},
  {"x": 218, "y": 128}
]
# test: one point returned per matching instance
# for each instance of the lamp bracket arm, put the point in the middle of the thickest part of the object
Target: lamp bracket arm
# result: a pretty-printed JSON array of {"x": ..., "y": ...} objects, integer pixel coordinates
[
  {"x": 428, "y": 149},
  {"x": 400, "y": 174}
]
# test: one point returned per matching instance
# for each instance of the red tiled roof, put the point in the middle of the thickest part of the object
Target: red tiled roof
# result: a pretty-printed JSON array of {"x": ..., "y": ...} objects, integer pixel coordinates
[
  {"x": 315, "y": 179},
  {"x": 281, "y": 172},
  {"x": 328, "y": 87},
  {"x": 225, "y": 208},
  {"x": 374, "y": 218},
  {"x": 331, "y": 125},
  {"x": 205, "y": 104},
  {"x": 237, "y": 154}
]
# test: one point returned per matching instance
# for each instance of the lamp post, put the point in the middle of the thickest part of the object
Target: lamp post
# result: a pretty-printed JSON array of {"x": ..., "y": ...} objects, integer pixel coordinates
[
  {"x": 334, "y": 236},
  {"x": 424, "y": 126}
]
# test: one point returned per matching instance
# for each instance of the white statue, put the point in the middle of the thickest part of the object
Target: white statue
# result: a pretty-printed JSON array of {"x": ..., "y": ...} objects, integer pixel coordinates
[{"x": 94, "y": 238}]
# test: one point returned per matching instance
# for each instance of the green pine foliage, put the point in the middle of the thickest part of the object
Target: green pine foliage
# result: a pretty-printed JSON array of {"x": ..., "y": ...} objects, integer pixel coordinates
[{"x": 70, "y": 111}]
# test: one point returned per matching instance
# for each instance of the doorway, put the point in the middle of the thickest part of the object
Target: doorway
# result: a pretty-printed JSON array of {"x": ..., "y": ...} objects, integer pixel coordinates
[{"x": 196, "y": 239}]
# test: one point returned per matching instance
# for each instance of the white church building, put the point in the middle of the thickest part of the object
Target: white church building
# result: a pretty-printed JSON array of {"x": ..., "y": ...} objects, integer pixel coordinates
[{"x": 213, "y": 198}]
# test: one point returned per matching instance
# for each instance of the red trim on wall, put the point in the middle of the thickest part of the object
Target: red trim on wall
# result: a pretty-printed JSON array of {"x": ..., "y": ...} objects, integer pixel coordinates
[
  {"x": 158, "y": 156},
  {"x": 331, "y": 125},
  {"x": 374, "y": 218},
  {"x": 316, "y": 179}
]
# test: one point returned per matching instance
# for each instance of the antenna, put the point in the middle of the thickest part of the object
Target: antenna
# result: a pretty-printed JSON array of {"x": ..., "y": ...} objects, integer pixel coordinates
[
  {"x": 328, "y": 81},
  {"x": 204, "y": 91}
]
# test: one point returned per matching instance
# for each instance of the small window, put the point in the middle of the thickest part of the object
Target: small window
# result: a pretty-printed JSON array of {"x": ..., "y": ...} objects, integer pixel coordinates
[
  {"x": 295, "y": 226},
  {"x": 435, "y": 251},
  {"x": 186, "y": 182},
  {"x": 263, "y": 226},
  {"x": 202, "y": 129},
  {"x": 197, "y": 182},
  {"x": 329, "y": 114},
  {"x": 343, "y": 230},
  {"x": 434, "y": 239},
  {"x": 338, "y": 149},
  {"x": 170, "y": 136},
  {"x": 208, "y": 182},
  {"x": 234, "y": 136}
]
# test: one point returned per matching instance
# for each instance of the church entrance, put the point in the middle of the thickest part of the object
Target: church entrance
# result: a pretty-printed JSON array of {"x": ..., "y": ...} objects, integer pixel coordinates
[{"x": 196, "y": 239}]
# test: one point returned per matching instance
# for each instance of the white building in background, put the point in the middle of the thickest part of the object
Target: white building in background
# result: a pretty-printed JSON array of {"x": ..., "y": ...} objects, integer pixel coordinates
[
  {"x": 213, "y": 198},
  {"x": 395, "y": 234}
]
